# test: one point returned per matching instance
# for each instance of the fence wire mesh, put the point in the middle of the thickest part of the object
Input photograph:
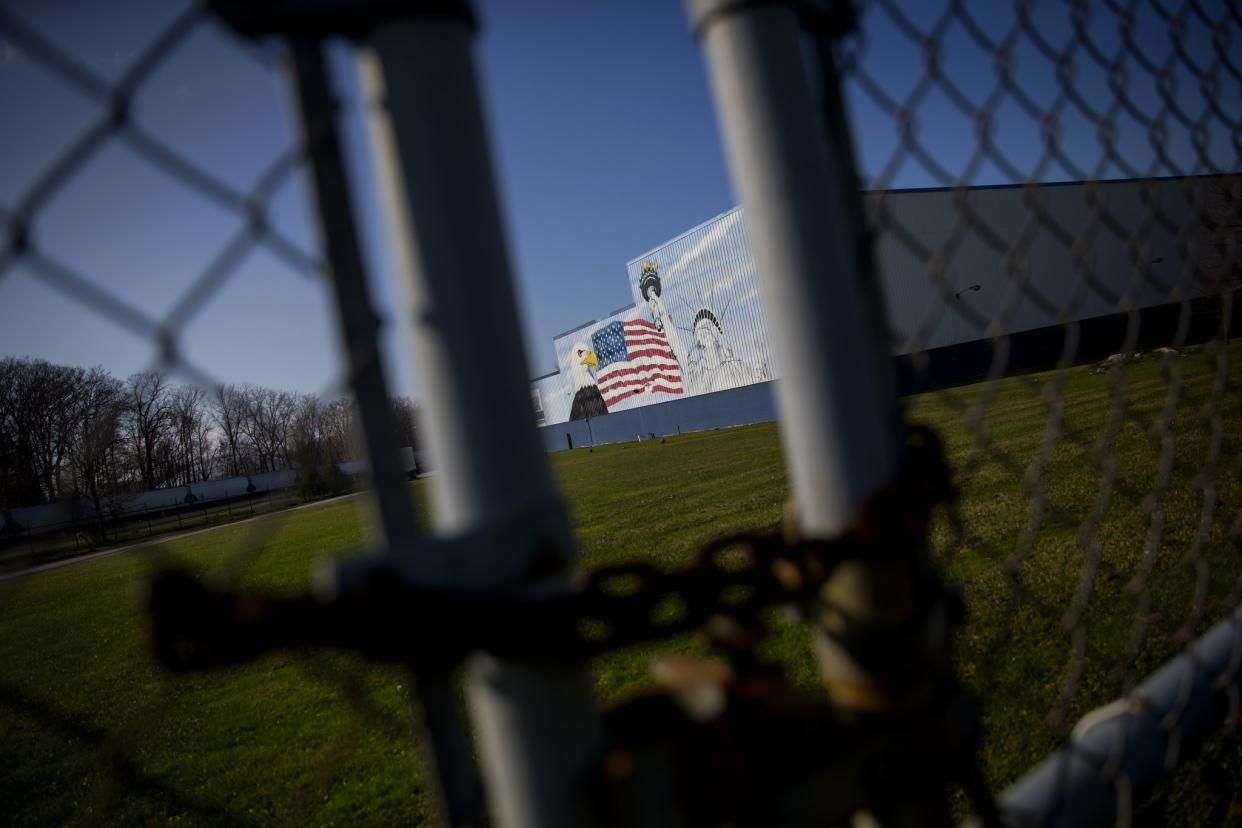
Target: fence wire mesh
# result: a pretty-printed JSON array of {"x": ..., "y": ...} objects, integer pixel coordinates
[
  {"x": 84, "y": 744},
  {"x": 1099, "y": 493},
  {"x": 1099, "y": 521}
]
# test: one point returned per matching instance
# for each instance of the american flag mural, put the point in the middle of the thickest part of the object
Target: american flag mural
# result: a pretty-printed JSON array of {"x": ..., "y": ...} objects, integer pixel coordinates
[
  {"x": 634, "y": 357},
  {"x": 711, "y": 335}
]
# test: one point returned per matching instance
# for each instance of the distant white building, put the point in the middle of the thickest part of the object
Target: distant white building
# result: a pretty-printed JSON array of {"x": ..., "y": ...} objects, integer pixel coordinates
[{"x": 956, "y": 266}]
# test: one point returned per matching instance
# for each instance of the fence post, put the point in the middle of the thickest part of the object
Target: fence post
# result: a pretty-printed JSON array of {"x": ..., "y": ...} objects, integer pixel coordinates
[
  {"x": 539, "y": 729},
  {"x": 462, "y": 801},
  {"x": 840, "y": 420}
]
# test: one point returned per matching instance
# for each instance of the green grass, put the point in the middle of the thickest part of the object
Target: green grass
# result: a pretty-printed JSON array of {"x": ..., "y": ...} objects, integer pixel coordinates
[
  {"x": 83, "y": 537},
  {"x": 92, "y": 731}
]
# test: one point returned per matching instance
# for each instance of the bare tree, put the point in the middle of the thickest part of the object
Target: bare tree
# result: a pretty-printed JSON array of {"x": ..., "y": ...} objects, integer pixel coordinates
[
  {"x": 282, "y": 407},
  {"x": 205, "y": 446},
  {"x": 56, "y": 387},
  {"x": 18, "y": 482},
  {"x": 147, "y": 417},
  {"x": 307, "y": 438},
  {"x": 188, "y": 415},
  {"x": 405, "y": 421},
  {"x": 229, "y": 411},
  {"x": 251, "y": 426},
  {"x": 97, "y": 433},
  {"x": 266, "y": 426},
  {"x": 69, "y": 430},
  {"x": 338, "y": 428},
  {"x": 37, "y": 401}
]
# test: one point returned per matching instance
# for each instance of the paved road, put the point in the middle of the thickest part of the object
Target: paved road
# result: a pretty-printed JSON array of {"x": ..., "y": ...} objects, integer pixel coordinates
[{"x": 106, "y": 553}]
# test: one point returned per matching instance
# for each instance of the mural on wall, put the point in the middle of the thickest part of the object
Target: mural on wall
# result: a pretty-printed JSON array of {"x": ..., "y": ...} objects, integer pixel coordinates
[
  {"x": 649, "y": 288},
  {"x": 587, "y": 399},
  {"x": 716, "y": 367},
  {"x": 710, "y": 364},
  {"x": 696, "y": 326},
  {"x": 536, "y": 401},
  {"x": 696, "y": 312},
  {"x": 701, "y": 289},
  {"x": 635, "y": 358}
]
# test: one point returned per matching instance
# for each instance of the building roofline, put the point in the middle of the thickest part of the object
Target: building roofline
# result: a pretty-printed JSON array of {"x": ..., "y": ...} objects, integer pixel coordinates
[
  {"x": 568, "y": 331},
  {"x": 1011, "y": 186},
  {"x": 903, "y": 190},
  {"x": 1007, "y": 186},
  {"x": 621, "y": 309},
  {"x": 681, "y": 236}
]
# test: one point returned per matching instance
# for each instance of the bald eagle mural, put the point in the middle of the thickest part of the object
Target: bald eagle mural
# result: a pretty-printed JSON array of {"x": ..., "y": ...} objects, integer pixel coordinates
[
  {"x": 588, "y": 402},
  {"x": 694, "y": 326}
]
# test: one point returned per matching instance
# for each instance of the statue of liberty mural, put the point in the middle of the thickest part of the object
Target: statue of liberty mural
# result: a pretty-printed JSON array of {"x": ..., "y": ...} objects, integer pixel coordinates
[
  {"x": 650, "y": 289},
  {"x": 710, "y": 363},
  {"x": 716, "y": 367}
]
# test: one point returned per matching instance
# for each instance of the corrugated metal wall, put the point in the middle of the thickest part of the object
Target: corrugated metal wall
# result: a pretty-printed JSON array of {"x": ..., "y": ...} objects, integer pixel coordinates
[
  {"x": 722, "y": 409},
  {"x": 708, "y": 289},
  {"x": 1026, "y": 258},
  {"x": 957, "y": 266},
  {"x": 697, "y": 305}
]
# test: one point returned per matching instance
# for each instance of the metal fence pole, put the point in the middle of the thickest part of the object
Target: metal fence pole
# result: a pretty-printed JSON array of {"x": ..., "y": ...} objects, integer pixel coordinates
[
  {"x": 539, "y": 729},
  {"x": 1121, "y": 751},
  {"x": 840, "y": 421},
  {"x": 840, "y": 434},
  {"x": 461, "y": 790}
]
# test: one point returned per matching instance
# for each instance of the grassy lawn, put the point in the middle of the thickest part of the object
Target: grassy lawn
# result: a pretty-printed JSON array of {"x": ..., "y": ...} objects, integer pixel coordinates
[
  {"x": 83, "y": 537},
  {"x": 1084, "y": 498}
]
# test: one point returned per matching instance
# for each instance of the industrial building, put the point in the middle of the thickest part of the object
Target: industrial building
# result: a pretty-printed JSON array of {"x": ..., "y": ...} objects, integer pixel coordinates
[{"x": 962, "y": 270}]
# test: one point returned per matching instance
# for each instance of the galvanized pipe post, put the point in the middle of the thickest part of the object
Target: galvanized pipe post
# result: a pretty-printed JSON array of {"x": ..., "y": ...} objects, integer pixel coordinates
[
  {"x": 839, "y": 417},
  {"x": 445, "y": 744},
  {"x": 539, "y": 727},
  {"x": 841, "y": 423},
  {"x": 1118, "y": 753}
]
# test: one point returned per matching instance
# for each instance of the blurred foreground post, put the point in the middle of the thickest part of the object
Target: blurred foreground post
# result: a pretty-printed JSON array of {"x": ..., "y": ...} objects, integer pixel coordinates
[
  {"x": 840, "y": 424},
  {"x": 879, "y": 641},
  {"x": 448, "y": 750},
  {"x": 538, "y": 724}
]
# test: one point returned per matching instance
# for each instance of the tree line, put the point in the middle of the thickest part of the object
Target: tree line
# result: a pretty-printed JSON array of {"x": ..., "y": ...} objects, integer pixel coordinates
[{"x": 80, "y": 432}]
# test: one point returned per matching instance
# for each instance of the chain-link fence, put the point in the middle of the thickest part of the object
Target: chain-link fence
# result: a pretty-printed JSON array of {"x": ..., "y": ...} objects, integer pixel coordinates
[
  {"x": 1092, "y": 428},
  {"x": 1122, "y": 544},
  {"x": 120, "y": 214}
]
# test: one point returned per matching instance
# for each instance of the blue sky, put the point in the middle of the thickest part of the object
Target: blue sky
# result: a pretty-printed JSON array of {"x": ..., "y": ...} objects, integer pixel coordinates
[{"x": 603, "y": 137}]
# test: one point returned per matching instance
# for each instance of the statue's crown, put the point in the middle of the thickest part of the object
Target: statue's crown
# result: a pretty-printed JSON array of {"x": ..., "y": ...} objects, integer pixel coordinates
[{"x": 649, "y": 268}]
